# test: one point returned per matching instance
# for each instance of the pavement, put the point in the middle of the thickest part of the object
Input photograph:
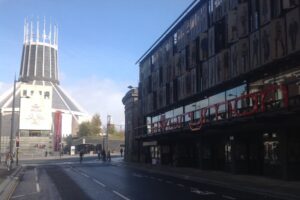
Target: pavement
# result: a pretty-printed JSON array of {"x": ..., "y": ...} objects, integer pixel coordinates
[
  {"x": 8, "y": 180},
  {"x": 276, "y": 188}
]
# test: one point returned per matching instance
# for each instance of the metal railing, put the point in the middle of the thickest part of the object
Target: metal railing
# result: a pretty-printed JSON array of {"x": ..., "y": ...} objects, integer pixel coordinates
[{"x": 241, "y": 106}]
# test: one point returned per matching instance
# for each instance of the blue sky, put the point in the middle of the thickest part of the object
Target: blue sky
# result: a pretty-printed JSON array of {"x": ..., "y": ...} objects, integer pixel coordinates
[{"x": 99, "y": 43}]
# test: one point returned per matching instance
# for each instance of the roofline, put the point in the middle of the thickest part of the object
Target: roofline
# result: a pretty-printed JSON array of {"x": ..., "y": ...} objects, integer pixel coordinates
[{"x": 169, "y": 30}]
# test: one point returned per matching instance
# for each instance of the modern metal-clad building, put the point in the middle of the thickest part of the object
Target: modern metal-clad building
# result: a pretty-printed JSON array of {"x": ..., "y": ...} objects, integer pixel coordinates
[
  {"x": 44, "y": 112},
  {"x": 220, "y": 89}
]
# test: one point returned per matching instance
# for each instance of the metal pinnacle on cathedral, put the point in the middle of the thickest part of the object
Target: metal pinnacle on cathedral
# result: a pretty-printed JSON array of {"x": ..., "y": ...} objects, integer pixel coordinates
[{"x": 39, "y": 56}]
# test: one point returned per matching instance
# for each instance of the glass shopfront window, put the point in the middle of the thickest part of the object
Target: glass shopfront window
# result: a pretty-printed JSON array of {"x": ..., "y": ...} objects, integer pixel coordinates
[
  {"x": 169, "y": 115},
  {"x": 187, "y": 109},
  {"x": 215, "y": 99},
  {"x": 155, "y": 154},
  {"x": 271, "y": 148},
  {"x": 155, "y": 124},
  {"x": 228, "y": 152},
  {"x": 149, "y": 125}
]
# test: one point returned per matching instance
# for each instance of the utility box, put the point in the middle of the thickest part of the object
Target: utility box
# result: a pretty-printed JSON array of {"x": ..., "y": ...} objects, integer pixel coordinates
[{"x": 72, "y": 150}]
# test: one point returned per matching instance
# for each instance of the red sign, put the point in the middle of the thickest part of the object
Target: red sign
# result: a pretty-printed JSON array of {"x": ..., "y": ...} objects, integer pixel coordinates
[{"x": 254, "y": 103}]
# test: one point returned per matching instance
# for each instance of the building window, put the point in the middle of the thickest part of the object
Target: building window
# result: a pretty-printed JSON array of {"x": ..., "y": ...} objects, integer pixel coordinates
[
  {"x": 35, "y": 133},
  {"x": 175, "y": 39},
  {"x": 228, "y": 157},
  {"x": 155, "y": 154},
  {"x": 47, "y": 95},
  {"x": 271, "y": 148},
  {"x": 25, "y": 93}
]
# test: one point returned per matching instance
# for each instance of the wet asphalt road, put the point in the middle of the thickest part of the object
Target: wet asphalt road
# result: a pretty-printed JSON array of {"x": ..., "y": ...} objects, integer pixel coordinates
[{"x": 93, "y": 179}]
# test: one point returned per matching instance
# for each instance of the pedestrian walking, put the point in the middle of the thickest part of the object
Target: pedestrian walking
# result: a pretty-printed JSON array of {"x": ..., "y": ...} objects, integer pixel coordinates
[
  {"x": 108, "y": 156},
  {"x": 8, "y": 160},
  {"x": 99, "y": 154},
  {"x": 103, "y": 155},
  {"x": 121, "y": 152},
  {"x": 81, "y": 155}
]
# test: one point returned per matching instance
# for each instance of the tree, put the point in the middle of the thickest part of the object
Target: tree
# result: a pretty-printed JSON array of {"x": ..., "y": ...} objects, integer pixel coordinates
[
  {"x": 90, "y": 128},
  {"x": 68, "y": 140},
  {"x": 96, "y": 124},
  {"x": 84, "y": 129}
]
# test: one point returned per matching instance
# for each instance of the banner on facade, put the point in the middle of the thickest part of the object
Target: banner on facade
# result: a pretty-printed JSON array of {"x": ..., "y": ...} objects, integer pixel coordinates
[{"x": 35, "y": 107}]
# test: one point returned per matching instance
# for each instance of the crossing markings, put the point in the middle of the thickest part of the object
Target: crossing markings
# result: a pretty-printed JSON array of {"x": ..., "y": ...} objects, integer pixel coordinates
[
  {"x": 137, "y": 175},
  {"x": 37, "y": 187},
  {"x": 98, "y": 182},
  {"x": 23, "y": 195},
  {"x": 120, "y": 195},
  {"x": 180, "y": 185},
  {"x": 83, "y": 174},
  {"x": 228, "y": 197},
  {"x": 169, "y": 182},
  {"x": 197, "y": 191},
  {"x": 37, "y": 181},
  {"x": 80, "y": 172}
]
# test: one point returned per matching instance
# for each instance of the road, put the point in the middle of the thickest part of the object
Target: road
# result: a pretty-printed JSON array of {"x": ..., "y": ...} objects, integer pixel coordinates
[{"x": 93, "y": 179}]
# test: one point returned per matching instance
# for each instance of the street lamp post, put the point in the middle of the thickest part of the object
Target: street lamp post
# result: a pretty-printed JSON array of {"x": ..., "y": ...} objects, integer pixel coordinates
[
  {"x": 108, "y": 129},
  {"x": 12, "y": 121},
  {"x": 0, "y": 133}
]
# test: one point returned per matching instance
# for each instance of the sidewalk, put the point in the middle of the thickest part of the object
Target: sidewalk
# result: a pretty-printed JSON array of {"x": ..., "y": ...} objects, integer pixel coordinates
[
  {"x": 8, "y": 180},
  {"x": 289, "y": 190},
  {"x": 4, "y": 172}
]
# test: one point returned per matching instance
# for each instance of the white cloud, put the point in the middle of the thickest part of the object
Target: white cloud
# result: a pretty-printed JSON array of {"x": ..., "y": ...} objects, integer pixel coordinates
[
  {"x": 4, "y": 87},
  {"x": 100, "y": 96}
]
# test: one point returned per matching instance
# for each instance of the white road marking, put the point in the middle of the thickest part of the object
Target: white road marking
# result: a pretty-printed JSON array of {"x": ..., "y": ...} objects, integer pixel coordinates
[
  {"x": 197, "y": 191},
  {"x": 23, "y": 195},
  {"x": 36, "y": 175},
  {"x": 37, "y": 181},
  {"x": 98, "y": 182},
  {"x": 18, "y": 196},
  {"x": 228, "y": 197},
  {"x": 83, "y": 174},
  {"x": 120, "y": 195},
  {"x": 180, "y": 185},
  {"x": 169, "y": 182},
  {"x": 137, "y": 175},
  {"x": 37, "y": 187},
  {"x": 159, "y": 179}
]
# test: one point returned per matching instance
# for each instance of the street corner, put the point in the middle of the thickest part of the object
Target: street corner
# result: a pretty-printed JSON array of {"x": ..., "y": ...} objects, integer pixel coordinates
[{"x": 9, "y": 181}]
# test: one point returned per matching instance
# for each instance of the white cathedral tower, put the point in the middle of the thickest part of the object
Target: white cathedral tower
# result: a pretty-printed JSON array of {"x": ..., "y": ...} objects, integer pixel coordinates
[{"x": 43, "y": 110}]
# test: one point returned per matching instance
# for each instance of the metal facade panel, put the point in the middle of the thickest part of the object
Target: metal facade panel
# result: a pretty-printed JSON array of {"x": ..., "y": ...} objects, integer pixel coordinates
[
  {"x": 278, "y": 37},
  {"x": 255, "y": 50},
  {"x": 293, "y": 30}
]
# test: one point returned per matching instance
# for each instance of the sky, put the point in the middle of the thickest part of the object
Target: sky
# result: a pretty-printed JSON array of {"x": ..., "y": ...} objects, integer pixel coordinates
[{"x": 99, "y": 44}]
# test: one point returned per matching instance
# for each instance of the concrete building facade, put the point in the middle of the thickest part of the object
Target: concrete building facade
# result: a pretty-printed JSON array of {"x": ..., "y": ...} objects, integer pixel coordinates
[
  {"x": 37, "y": 112},
  {"x": 130, "y": 101}
]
